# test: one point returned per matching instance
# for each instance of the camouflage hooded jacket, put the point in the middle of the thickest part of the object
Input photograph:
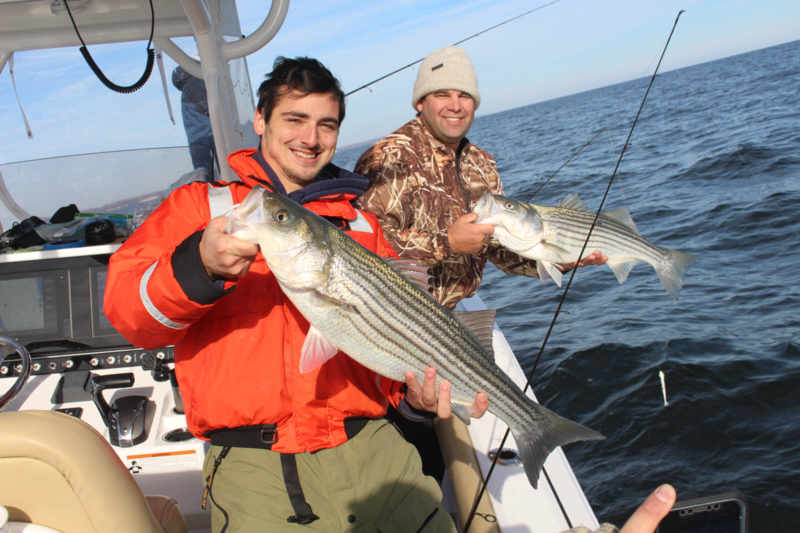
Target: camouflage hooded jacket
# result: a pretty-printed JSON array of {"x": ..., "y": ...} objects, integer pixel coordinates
[{"x": 417, "y": 188}]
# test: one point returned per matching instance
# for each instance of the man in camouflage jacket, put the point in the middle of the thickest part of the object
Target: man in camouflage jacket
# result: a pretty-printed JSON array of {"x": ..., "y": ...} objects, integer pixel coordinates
[
  {"x": 426, "y": 177},
  {"x": 418, "y": 189}
]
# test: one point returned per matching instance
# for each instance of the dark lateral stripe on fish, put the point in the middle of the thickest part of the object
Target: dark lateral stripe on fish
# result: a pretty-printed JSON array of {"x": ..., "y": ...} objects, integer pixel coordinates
[
  {"x": 389, "y": 289},
  {"x": 573, "y": 227}
]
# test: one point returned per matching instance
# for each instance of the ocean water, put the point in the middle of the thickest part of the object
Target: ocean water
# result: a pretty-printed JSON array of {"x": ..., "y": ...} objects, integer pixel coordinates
[{"x": 713, "y": 170}]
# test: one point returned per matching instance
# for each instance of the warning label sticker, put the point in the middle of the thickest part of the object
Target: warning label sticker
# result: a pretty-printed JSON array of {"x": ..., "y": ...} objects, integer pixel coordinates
[{"x": 153, "y": 463}]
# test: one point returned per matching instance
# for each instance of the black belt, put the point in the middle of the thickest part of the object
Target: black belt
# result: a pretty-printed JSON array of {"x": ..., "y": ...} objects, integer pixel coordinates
[{"x": 263, "y": 436}]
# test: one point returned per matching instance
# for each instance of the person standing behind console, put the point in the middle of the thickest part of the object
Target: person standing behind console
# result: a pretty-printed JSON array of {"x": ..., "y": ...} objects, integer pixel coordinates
[
  {"x": 425, "y": 178},
  {"x": 289, "y": 450},
  {"x": 196, "y": 122}
]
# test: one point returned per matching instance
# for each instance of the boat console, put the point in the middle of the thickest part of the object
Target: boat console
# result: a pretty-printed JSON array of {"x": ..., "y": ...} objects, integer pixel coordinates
[{"x": 51, "y": 304}]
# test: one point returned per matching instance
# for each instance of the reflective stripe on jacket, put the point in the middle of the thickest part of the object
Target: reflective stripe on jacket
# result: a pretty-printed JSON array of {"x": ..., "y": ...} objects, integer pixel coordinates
[{"x": 237, "y": 347}]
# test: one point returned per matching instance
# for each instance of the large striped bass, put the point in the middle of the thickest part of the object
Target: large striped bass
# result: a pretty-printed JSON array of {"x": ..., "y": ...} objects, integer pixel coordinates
[
  {"x": 366, "y": 307},
  {"x": 552, "y": 235}
]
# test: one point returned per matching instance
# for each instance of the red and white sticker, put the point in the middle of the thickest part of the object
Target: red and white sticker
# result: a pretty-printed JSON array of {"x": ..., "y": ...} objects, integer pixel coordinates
[{"x": 153, "y": 463}]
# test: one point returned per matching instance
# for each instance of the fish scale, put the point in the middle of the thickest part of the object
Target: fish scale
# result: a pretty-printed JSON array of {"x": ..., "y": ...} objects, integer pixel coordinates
[
  {"x": 571, "y": 227},
  {"x": 366, "y": 308}
]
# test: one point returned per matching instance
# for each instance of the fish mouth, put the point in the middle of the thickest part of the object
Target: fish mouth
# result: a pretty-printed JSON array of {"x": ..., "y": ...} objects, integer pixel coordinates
[
  {"x": 248, "y": 214},
  {"x": 486, "y": 207}
]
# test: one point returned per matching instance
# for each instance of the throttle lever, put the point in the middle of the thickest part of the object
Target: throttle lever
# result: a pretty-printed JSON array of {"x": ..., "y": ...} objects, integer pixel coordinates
[{"x": 108, "y": 381}]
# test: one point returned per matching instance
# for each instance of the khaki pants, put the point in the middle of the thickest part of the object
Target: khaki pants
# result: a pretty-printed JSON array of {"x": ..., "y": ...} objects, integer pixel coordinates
[{"x": 373, "y": 482}]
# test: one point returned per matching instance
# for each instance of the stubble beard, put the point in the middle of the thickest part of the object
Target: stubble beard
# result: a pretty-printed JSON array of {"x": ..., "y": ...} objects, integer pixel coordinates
[{"x": 301, "y": 179}]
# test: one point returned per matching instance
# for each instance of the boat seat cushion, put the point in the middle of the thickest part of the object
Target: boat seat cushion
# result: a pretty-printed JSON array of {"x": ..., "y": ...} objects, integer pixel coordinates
[{"x": 59, "y": 472}]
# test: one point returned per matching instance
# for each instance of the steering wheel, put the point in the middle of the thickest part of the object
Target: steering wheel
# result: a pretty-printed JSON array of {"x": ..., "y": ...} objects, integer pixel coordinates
[{"x": 22, "y": 379}]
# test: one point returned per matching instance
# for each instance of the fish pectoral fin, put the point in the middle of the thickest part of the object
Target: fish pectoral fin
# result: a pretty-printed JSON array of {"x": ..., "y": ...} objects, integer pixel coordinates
[
  {"x": 317, "y": 350},
  {"x": 481, "y": 324},
  {"x": 327, "y": 302},
  {"x": 622, "y": 216},
  {"x": 572, "y": 201},
  {"x": 550, "y": 247},
  {"x": 461, "y": 411},
  {"x": 549, "y": 270},
  {"x": 621, "y": 269}
]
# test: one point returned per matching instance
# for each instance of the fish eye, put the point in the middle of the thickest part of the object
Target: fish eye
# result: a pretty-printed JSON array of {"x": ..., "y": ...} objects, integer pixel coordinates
[
  {"x": 281, "y": 216},
  {"x": 509, "y": 205}
]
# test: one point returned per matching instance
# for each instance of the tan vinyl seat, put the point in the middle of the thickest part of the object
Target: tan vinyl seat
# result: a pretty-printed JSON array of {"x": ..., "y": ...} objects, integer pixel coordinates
[{"x": 59, "y": 472}]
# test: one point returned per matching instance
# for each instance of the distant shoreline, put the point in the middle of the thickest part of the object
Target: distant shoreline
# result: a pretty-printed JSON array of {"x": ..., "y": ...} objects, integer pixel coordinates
[{"x": 358, "y": 144}]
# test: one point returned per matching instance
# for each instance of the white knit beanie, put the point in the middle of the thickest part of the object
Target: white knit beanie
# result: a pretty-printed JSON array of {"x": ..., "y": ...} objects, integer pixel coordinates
[{"x": 446, "y": 68}]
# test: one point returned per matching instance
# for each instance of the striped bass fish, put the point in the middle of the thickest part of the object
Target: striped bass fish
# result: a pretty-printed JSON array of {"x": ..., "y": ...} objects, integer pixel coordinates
[
  {"x": 371, "y": 309},
  {"x": 552, "y": 235}
]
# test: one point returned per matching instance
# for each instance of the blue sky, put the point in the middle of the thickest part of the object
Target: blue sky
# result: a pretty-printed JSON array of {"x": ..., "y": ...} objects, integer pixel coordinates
[{"x": 565, "y": 48}]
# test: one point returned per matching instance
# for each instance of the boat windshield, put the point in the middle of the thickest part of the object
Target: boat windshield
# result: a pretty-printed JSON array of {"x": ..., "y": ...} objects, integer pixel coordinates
[
  {"x": 129, "y": 149},
  {"x": 108, "y": 182}
]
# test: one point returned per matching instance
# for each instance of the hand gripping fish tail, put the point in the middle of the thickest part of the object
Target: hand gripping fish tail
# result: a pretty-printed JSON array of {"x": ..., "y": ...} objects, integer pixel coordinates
[{"x": 377, "y": 312}]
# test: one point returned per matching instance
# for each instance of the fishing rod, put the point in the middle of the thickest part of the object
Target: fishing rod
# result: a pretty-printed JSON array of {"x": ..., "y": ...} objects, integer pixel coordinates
[
  {"x": 576, "y": 154},
  {"x": 564, "y": 295},
  {"x": 454, "y": 44}
]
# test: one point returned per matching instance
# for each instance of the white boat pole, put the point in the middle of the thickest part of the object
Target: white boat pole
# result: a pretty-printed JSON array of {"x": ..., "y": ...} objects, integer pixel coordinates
[
  {"x": 263, "y": 35},
  {"x": 212, "y": 64}
]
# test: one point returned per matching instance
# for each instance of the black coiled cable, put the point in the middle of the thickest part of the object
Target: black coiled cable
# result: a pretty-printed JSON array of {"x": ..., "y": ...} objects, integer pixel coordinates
[{"x": 102, "y": 77}]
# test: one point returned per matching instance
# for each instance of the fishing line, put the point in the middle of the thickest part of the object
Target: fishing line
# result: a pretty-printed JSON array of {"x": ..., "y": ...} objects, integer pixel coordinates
[
  {"x": 614, "y": 157},
  {"x": 454, "y": 44},
  {"x": 569, "y": 283},
  {"x": 731, "y": 146},
  {"x": 543, "y": 186}
]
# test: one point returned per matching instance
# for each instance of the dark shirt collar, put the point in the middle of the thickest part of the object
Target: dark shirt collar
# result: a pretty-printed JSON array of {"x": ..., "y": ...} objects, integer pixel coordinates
[{"x": 331, "y": 180}]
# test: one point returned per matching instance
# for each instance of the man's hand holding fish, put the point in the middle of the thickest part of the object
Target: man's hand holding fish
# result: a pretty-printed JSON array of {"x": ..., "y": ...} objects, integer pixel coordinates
[
  {"x": 428, "y": 398},
  {"x": 223, "y": 255}
]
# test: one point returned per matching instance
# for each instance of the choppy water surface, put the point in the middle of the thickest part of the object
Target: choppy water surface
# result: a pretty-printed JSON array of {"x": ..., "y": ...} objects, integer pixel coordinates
[{"x": 725, "y": 189}]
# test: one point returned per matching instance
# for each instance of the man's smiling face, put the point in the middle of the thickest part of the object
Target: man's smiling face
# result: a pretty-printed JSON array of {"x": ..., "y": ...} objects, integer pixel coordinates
[
  {"x": 299, "y": 138},
  {"x": 448, "y": 115}
]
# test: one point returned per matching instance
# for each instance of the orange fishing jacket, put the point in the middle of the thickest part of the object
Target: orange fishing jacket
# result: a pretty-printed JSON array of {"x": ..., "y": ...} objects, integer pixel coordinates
[{"x": 237, "y": 346}]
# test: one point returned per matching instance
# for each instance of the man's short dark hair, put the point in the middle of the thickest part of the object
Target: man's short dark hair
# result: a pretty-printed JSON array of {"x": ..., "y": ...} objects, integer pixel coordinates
[{"x": 302, "y": 75}]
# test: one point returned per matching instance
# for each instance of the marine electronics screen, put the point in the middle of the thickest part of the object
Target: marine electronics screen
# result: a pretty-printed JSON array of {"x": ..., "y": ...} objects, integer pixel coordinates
[
  {"x": 35, "y": 306},
  {"x": 100, "y": 324}
]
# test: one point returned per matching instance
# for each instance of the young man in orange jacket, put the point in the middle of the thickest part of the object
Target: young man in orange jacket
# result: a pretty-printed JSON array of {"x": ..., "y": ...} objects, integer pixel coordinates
[{"x": 287, "y": 447}]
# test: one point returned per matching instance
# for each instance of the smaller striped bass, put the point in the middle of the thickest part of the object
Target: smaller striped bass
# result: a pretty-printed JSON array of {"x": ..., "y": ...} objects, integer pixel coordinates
[
  {"x": 552, "y": 235},
  {"x": 366, "y": 307}
]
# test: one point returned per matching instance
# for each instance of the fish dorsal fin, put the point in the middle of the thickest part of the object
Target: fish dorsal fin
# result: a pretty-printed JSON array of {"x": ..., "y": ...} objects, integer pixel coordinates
[
  {"x": 622, "y": 216},
  {"x": 416, "y": 274},
  {"x": 621, "y": 270},
  {"x": 572, "y": 201},
  {"x": 481, "y": 324},
  {"x": 317, "y": 350}
]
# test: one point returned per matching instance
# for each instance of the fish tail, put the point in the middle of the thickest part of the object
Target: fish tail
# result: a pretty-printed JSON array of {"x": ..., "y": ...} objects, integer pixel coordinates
[
  {"x": 535, "y": 444},
  {"x": 672, "y": 269}
]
